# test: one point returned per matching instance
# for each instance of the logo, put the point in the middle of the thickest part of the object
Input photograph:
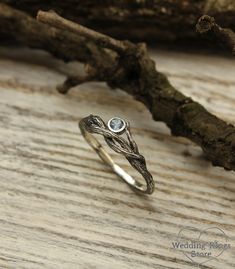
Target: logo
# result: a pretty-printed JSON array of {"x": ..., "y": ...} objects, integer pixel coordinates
[{"x": 201, "y": 246}]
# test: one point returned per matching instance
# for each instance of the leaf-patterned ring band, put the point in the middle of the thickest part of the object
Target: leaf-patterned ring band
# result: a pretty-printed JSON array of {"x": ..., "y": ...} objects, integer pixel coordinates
[{"x": 112, "y": 133}]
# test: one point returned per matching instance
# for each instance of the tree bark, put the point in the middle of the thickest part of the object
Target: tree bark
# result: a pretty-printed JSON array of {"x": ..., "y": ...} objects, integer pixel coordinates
[{"x": 161, "y": 20}]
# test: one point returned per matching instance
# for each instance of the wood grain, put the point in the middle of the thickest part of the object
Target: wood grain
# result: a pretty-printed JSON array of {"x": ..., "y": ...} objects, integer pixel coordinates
[{"x": 61, "y": 207}]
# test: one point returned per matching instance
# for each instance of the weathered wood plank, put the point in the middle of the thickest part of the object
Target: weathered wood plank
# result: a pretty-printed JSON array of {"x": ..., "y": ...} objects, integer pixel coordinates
[{"x": 61, "y": 207}]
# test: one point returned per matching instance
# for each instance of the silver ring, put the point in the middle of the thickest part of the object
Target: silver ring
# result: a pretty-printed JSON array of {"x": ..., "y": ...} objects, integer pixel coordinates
[{"x": 112, "y": 133}]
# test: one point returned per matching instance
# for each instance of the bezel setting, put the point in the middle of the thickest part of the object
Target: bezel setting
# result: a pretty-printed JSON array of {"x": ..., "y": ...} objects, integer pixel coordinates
[{"x": 119, "y": 121}]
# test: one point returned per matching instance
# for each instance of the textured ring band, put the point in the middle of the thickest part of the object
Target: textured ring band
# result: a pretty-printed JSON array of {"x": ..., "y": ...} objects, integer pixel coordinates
[{"x": 112, "y": 134}]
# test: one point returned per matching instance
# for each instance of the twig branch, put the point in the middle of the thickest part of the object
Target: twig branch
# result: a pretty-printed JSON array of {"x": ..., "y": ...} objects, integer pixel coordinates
[
  {"x": 51, "y": 18},
  {"x": 73, "y": 81},
  {"x": 207, "y": 25},
  {"x": 134, "y": 72},
  {"x": 155, "y": 20}
]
